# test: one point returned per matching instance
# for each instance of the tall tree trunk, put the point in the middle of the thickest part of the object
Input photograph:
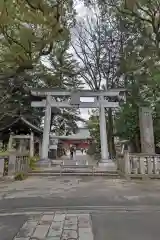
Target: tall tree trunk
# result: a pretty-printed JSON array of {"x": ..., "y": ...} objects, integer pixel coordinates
[{"x": 137, "y": 143}]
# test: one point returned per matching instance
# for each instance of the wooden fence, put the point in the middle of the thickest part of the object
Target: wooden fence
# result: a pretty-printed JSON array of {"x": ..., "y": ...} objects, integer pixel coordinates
[
  {"x": 139, "y": 165},
  {"x": 21, "y": 163},
  {"x": 14, "y": 163}
]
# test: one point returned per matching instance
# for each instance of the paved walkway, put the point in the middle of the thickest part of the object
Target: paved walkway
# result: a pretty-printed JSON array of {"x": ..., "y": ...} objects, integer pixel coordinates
[
  {"x": 56, "y": 226},
  {"x": 80, "y": 157},
  {"x": 104, "y": 225},
  {"x": 83, "y": 158}
]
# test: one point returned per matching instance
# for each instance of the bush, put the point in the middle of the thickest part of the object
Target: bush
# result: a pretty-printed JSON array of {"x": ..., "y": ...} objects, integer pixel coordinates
[
  {"x": 32, "y": 162},
  {"x": 4, "y": 153},
  {"x": 93, "y": 149},
  {"x": 20, "y": 176}
]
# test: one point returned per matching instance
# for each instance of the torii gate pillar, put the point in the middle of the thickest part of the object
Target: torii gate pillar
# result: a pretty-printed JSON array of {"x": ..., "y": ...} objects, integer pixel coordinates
[
  {"x": 103, "y": 133},
  {"x": 46, "y": 130}
]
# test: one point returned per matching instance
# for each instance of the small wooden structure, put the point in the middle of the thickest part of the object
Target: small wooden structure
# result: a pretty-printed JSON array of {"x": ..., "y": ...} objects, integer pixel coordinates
[{"x": 22, "y": 136}]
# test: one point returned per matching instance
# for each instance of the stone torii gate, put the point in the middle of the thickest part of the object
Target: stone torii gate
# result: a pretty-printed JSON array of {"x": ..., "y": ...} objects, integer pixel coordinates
[{"x": 74, "y": 102}]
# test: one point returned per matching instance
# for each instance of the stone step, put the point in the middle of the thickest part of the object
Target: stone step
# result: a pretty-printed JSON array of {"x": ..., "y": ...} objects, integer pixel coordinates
[
  {"x": 73, "y": 171},
  {"x": 69, "y": 162},
  {"x": 67, "y": 173},
  {"x": 76, "y": 172}
]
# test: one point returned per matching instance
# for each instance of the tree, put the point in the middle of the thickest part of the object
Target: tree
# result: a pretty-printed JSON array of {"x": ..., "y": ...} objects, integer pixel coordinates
[
  {"x": 16, "y": 100},
  {"x": 29, "y": 30},
  {"x": 140, "y": 66},
  {"x": 139, "y": 23},
  {"x": 63, "y": 72},
  {"x": 94, "y": 129},
  {"x": 98, "y": 43},
  {"x": 64, "y": 69}
]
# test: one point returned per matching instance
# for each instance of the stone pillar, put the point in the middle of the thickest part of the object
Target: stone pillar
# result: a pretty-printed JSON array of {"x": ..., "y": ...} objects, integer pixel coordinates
[
  {"x": 103, "y": 132},
  {"x": 31, "y": 145},
  {"x": 21, "y": 145},
  {"x": 142, "y": 165},
  {"x": 146, "y": 130},
  {"x": 46, "y": 131},
  {"x": 10, "y": 142},
  {"x": 11, "y": 165},
  {"x": 40, "y": 147},
  {"x": 1, "y": 167},
  {"x": 127, "y": 166}
]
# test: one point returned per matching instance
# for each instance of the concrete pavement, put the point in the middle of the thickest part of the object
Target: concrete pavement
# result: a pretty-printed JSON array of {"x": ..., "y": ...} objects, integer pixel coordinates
[
  {"x": 79, "y": 208},
  {"x": 77, "y": 225},
  {"x": 126, "y": 225},
  {"x": 116, "y": 207}
]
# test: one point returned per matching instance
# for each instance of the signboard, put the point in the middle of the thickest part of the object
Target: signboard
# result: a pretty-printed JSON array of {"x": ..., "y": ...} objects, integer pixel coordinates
[
  {"x": 53, "y": 143},
  {"x": 53, "y": 147}
]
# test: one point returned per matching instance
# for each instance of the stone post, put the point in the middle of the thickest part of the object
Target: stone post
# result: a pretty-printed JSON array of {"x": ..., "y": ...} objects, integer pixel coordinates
[
  {"x": 21, "y": 145},
  {"x": 46, "y": 130},
  {"x": 11, "y": 164},
  {"x": 103, "y": 133},
  {"x": 10, "y": 142},
  {"x": 40, "y": 147},
  {"x": 149, "y": 165},
  {"x": 155, "y": 165},
  {"x": 146, "y": 130},
  {"x": 32, "y": 144},
  {"x": 142, "y": 165},
  {"x": 127, "y": 166},
  {"x": 1, "y": 167}
]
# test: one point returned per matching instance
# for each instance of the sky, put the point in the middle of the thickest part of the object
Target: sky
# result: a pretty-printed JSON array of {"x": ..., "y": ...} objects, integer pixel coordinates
[{"x": 82, "y": 11}]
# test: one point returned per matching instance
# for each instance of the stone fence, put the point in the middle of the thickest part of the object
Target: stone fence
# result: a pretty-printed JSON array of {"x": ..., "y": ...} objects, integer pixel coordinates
[
  {"x": 13, "y": 163},
  {"x": 139, "y": 165}
]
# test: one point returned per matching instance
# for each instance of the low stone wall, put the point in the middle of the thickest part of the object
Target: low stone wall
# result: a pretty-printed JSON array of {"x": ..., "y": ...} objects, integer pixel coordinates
[
  {"x": 139, "y": 165},
  {"x": 14, "y": 163}
]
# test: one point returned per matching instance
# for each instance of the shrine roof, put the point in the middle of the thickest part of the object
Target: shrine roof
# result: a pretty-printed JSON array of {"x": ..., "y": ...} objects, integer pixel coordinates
[
  {"x": 21, "y": 119},
  {"x": 83, "y": 134}
]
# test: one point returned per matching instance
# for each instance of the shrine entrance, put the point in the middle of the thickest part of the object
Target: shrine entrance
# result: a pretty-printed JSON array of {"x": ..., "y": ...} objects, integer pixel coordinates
[{"x": 102, "y": 100}]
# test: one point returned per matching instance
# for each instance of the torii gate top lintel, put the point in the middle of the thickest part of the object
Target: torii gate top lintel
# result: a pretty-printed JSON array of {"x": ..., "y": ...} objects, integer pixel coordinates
[{"x": 83, "y": 93}]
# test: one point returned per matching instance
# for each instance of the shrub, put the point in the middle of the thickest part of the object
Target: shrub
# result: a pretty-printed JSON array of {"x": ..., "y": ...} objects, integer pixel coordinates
[
  {"x": 4, "y": 153},
  {"x": 32, "y": 162},
  {"x": 20, "y": 176}
]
